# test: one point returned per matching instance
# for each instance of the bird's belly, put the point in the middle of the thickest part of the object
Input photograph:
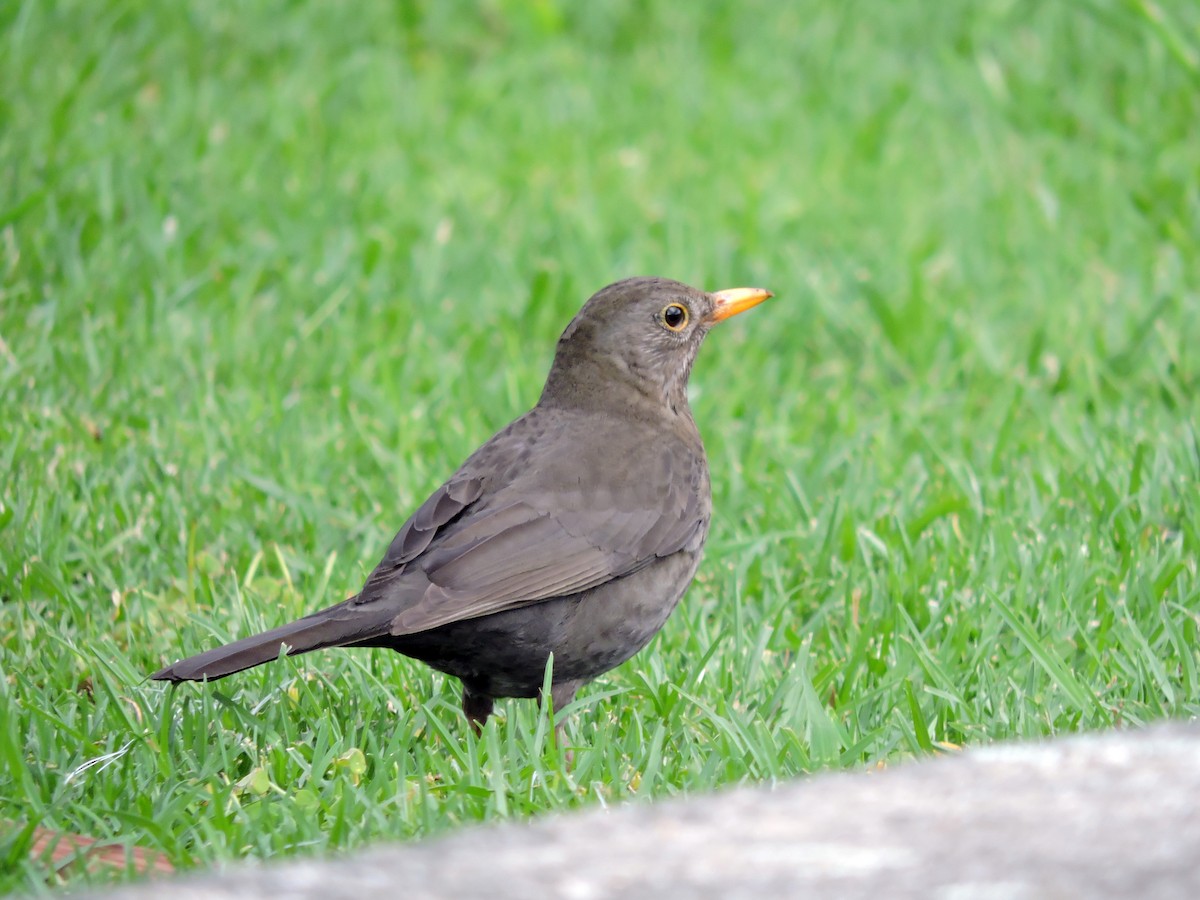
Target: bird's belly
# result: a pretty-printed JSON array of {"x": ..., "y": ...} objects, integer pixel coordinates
[{"x": 504, "y": 655}]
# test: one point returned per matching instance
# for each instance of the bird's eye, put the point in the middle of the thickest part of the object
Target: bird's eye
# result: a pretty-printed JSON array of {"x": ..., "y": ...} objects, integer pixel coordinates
[{"x": 675, "y": 316}]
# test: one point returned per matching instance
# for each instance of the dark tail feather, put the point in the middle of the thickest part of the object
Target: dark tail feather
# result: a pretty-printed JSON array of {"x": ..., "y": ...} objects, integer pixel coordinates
[{"x": 346, "y": 623}]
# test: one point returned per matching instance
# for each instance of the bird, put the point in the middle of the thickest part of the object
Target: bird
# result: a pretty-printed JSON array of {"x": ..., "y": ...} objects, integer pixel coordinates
[{"x": 572, "y": 533}]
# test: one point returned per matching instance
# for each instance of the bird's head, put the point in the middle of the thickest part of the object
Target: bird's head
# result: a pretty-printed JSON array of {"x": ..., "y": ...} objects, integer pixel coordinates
[{"x": 640, "y": 332}]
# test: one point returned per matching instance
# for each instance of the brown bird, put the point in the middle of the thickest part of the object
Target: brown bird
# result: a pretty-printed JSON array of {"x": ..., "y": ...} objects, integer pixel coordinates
[{"x": 574, "y": 531}]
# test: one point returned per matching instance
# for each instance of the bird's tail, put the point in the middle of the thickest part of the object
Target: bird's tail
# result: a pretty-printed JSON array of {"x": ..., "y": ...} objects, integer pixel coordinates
[{"x": 346, "y": 623}]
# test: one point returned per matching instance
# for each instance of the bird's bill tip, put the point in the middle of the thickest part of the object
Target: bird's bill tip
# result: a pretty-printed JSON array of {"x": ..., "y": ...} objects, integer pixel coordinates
[{"x": 736, "y": 300}]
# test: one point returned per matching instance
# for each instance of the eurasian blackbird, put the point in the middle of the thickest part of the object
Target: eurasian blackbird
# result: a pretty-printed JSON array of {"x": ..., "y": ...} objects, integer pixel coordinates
[{"x": 574, "y": 531}]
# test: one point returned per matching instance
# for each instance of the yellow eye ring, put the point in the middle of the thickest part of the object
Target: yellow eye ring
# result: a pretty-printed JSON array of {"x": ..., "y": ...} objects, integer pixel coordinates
[{"x": 674, "y": 317}]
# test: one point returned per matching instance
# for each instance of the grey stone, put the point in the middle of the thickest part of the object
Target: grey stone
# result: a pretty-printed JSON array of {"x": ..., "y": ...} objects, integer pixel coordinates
[{"x": 1111, "y": 815}]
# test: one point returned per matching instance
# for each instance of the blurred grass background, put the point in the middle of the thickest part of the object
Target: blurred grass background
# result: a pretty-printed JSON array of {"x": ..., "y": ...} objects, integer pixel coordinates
[{"x": 269, "y": 271}]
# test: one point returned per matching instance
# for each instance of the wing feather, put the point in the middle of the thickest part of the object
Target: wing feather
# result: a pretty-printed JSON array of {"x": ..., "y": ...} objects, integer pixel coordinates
[
  {"x": 517, "y": 526},
  {"x": 529, "y": 555},
  {"x": 443, "y": 506}
]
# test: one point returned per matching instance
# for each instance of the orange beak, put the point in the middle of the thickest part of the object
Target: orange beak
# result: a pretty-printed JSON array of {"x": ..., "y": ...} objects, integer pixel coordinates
[{"x": 734, "y": 301}]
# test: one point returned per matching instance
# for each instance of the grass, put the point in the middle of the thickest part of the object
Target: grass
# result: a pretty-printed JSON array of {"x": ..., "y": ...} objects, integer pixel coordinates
[{"x": 269, "y": 272}]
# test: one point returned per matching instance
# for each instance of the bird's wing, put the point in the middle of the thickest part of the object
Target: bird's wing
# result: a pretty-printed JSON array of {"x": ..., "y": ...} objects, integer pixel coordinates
[
  {"x": 524, "y": 553},
  {"x": 518, "y": 525},
  {"x": 468, "y": 552}
]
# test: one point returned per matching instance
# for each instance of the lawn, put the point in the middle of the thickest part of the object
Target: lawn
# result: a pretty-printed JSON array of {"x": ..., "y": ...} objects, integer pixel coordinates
[{"x": 270, "y": 271}]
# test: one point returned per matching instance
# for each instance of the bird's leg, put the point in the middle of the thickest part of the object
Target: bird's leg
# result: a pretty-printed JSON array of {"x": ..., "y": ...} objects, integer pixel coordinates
[
  {"x": 477, "y": 708},
  {"x": 561, "y": 694}
]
